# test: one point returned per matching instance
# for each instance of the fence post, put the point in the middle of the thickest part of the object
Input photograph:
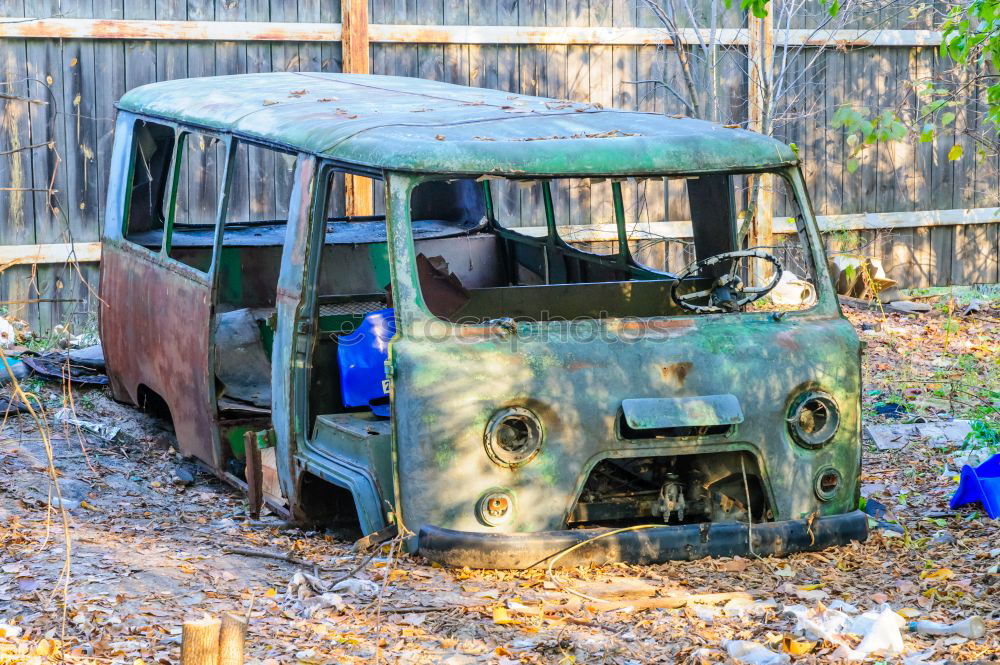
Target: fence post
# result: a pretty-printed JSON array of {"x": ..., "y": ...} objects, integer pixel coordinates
[
  {"x": 760, "y": 56},
  {"x": 354, "y": 24}
]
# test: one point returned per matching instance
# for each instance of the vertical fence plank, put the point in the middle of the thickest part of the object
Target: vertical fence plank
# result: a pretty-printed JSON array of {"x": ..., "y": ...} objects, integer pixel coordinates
[
  {"x": 17, "y": 207},
  {"x": 45, "y": 68}
]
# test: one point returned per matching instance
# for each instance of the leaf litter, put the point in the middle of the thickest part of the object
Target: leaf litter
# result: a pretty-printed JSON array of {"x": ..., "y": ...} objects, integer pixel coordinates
[{"x": 148, "y": 552}]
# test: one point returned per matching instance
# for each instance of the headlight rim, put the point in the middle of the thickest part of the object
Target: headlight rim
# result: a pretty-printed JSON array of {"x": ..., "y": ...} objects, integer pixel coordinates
[
  {"x": 495, "y": 451},
  {"x": 813, "y": 441}
]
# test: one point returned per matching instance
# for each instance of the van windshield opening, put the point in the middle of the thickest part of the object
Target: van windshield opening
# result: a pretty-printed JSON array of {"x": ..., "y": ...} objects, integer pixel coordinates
[{"x": 596, "y": 248}]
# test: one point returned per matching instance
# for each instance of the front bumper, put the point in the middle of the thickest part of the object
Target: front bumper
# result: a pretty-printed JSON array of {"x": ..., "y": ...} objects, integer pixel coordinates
[{"x": 653, "y": 545}]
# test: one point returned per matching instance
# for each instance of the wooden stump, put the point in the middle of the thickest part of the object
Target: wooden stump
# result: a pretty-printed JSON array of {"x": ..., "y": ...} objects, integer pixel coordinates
[
  {"x": 200, "y": 641},
  {"x": 231, "y": 639}
]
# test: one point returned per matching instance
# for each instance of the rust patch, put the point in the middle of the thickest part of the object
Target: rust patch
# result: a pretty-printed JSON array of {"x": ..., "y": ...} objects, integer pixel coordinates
[
  {"x": 786, "y": 341},
  {"x": 675, "y": 375},
  {"x": 656, "y": 326}
]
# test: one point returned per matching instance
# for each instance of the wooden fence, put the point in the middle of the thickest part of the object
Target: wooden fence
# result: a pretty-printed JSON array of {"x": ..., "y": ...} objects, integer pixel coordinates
[{"x": 63, "y": 64}]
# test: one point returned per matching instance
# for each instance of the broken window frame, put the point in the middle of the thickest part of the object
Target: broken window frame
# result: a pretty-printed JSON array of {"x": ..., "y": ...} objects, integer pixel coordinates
[
  {"x": 552, "y": 238},
  {"x": 412, "y": 308},
  {"x": 133, "y": 162}
]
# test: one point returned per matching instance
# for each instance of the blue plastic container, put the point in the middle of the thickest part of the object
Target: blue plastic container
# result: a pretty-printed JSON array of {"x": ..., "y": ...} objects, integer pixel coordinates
[
  {"x": 980, "y": 484},
  {"x": 362, "y": 355}
]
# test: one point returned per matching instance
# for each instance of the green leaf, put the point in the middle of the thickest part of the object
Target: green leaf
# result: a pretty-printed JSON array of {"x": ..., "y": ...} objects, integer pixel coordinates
[
  {"x": 927, "y": 133},
  {"x": 955, "y": 153},
  {"x": 852, "y": 165},
  {"x": 947, "y": 118}
]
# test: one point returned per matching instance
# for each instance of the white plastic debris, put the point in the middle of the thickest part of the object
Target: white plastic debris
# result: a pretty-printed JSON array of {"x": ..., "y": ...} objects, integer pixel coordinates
[
  {"x": 879, "y": 630},
  {"x": 793, "y": 290},
  {"x": 922, "y": 658},
  {"x": 321, "y": 602},
  {"x": 972, "y": 628},
  {"x": 753, "y": 653},
  {"x": 357, "y": 587},
  {"x": 7, "y": 630},
  {"x": 7, "y": 335},
  {"x": 881, "y": 636}
]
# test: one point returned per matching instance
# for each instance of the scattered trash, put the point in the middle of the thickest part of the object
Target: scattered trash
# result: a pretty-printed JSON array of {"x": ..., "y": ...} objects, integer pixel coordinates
[
  {"x": 890, "y": 409},
  {"x": 182, "y": 476},
  {"x": 974, "y": 307},
  {"x": 64, "y": 337},
  {"x": 922, "y": 658},
  {"x": 795, "y": 647},
  {"x": 894, "y": 437},
  {"x": 982, "y": 484},
  {"x": 812, "y": 594},
  {"x": 68, "y": 504},
  {"x": 91, "y": 357},
  {"x": 879, "y": 630},
  {"x": 972, "y": 628},
  {"x": 324, "y": 601},
  {"x": 7, "y": 334},
  {"x": 106, "y": 431},
  {"x": 752, "y": 653},
  {"x": 793, "y": 290},
  {"x": 357, "y": 587},
  {"x": 908, "y": 307},
  {"x": 18, "y": 370},
  {"x": 859, "y": 276},
  {"x": 52, "y": 366},
  {"x": 874, "y": 508},
  {"x": 7, "y": 630}
]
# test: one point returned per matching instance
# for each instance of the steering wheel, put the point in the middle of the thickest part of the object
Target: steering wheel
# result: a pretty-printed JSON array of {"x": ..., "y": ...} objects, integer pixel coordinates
[{"x": 727, "y": 293}]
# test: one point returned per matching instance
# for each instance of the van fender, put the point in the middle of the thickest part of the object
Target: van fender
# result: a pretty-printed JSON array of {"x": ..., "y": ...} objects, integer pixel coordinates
[{"x": 356, "y": 479}]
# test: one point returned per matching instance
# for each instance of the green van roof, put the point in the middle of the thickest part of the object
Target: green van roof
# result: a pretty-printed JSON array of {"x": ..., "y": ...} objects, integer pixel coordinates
[{"x": 410, "y": 124}]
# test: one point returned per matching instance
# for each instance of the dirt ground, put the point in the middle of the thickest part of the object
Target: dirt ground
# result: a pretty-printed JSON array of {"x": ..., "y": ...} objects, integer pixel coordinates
[{"x": 147, "y": 550}]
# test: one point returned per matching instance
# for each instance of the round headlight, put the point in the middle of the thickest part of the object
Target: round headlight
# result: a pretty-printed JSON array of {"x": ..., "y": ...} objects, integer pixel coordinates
[
  {"x": 513, "y": 436},
  {"x": 813, "y": 419}
]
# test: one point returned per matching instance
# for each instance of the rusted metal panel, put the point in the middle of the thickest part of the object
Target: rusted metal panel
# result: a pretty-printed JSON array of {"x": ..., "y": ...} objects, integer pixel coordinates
[{"x": 155, "y": 333}]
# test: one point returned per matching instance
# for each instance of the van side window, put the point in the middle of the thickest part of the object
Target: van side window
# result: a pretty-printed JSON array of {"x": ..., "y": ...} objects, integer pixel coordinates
[
  {"x": 200, "y": 170},
  {"x": 254, "y": 229},
  {"x": 153, "y": 146}
]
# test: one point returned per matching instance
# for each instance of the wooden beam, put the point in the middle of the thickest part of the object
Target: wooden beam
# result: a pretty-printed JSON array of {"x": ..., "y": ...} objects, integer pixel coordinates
[
  {"x": 887, "y": 221},
  {"x": 354, "y": 18},
  {"x": 879, "y": 221},
  {"x": 82, "y": 252},
  {"x": 235, "y": 31},
  {"x": 89, "y": 252},
  {"x": 760, "y": 77}
]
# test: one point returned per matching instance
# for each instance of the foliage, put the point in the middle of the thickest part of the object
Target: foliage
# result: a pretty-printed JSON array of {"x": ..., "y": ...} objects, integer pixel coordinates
[
  {"x": 984, "y": 434},
  {"x": 759, "y": 7},
  {"x": 972, "y": 37}
]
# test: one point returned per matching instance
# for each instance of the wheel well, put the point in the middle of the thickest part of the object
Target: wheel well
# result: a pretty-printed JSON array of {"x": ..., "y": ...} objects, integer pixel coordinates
[
  {"x": 330, "y": 505},
  {"x": 149, "y": 401}
]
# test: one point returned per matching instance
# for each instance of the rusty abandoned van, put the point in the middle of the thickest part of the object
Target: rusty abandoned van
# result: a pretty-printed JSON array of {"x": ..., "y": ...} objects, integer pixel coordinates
[{"x": 549, "y": 330}]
